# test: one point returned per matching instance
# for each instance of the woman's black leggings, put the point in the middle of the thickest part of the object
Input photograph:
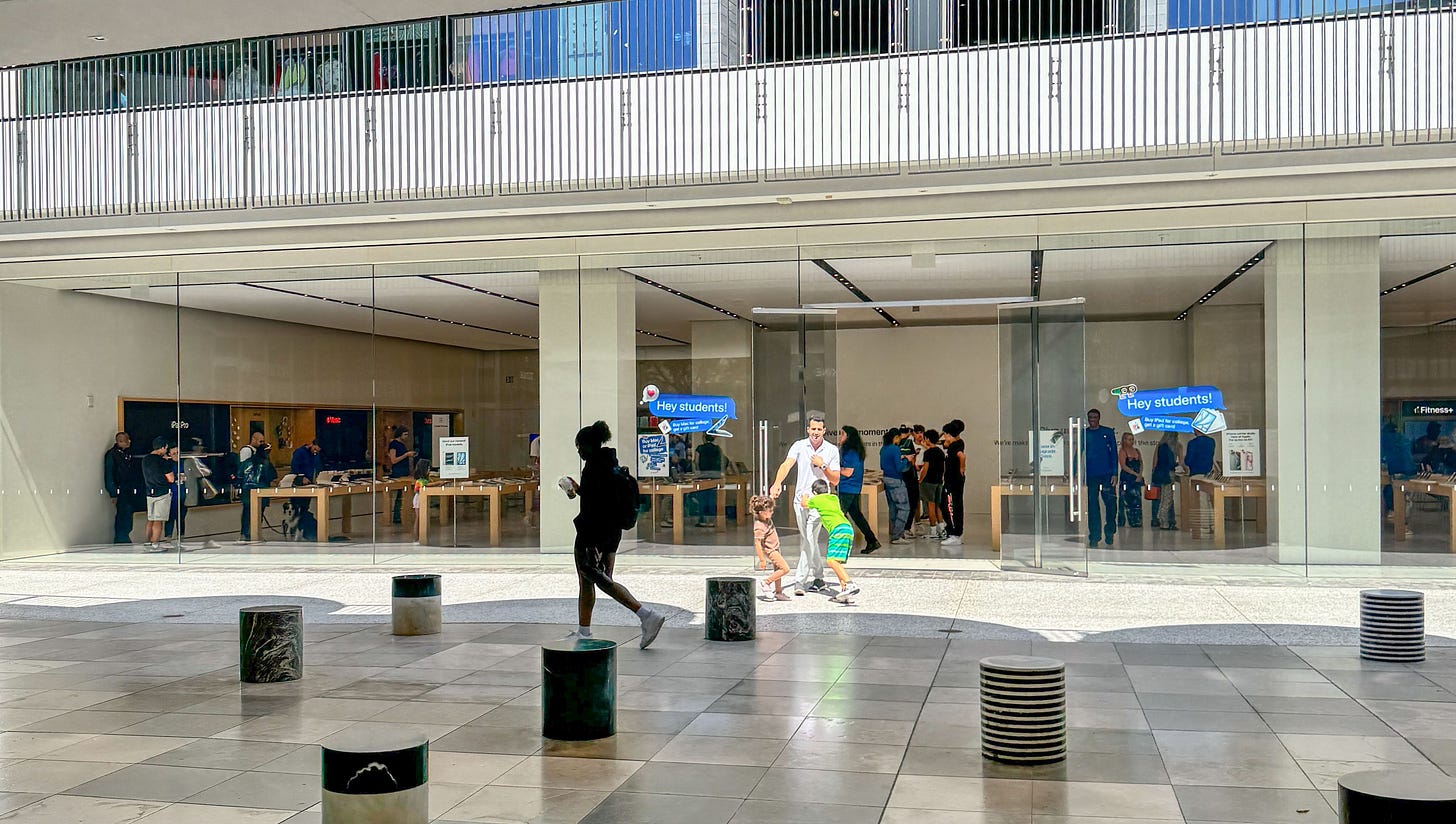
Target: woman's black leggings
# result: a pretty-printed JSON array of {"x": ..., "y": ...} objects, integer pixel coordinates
[
  {"x": 955, "y": 508},
  {"x": 849, "y": 502}
]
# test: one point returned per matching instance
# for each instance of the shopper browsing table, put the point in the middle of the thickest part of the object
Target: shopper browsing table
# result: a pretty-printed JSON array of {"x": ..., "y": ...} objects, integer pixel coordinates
[{"x": 813, "y": 459}]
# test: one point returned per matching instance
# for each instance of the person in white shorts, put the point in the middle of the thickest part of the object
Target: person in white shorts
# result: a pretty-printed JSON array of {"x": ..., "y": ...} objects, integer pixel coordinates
[
  {"x": 816, "y": 459},
  {"x": 159, "y": 472}
]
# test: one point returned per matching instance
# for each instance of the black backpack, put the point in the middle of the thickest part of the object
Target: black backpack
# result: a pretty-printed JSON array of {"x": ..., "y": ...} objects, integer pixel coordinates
[{"x": 628, "y": 495}]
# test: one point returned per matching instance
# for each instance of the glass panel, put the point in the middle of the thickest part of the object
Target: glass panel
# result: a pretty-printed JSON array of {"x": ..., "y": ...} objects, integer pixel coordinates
[
  {"x": 85, "y": 359},
  {"x": 1043, "y": 389},
  {"x": 456, "y": 407},
  {"x": 277, "y": 374}
]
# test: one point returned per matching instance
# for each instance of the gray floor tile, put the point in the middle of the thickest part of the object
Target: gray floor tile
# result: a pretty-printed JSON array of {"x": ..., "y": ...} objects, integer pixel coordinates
[
  {"x": 599, "y": 774},
  {"x": 669, "y": 778},
  {"x": 1327, "y": 724},
  {"x": 47, "y": 777},
  {"x": 861, "y": 789},
  {"x": 282, "y": 790},
  {"x": 1116, "y": 801},
  {"x": 504, "y": 740},
  {"x": 1380, "y": 749},
  {"x": 1208, "y": 721},
  {"x": 153, "y": 782},
  {"x": 1258, "y": 806},
  {"x": 643, "y": 808},
  {"x": 962, "y": 794},
  {"x": 69, "y": 809},
  {"x": 624, "y": 746},
  {"x": 770, "y": 812},
  {"x": 829, "y": 755},
  {"x": 701, "y": 749},
  {"x": 532, "y": 805},
  {"x": 855, "y": 731},
  {"x": 731, "y": 725}
]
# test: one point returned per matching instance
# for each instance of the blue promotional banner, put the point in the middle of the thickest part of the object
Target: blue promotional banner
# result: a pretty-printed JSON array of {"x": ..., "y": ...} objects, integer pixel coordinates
[
  {"x": 652, "y": 456},
  {"x": 693, "y": 406},
  {"x": 1167, "y": 423},
  {"x": 1183, "y": 400},
  {"x": 683, "y": 426}
]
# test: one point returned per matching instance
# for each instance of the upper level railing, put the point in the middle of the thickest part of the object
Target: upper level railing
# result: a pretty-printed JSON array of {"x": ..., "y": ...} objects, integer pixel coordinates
[{"x": 639, "y": 93}]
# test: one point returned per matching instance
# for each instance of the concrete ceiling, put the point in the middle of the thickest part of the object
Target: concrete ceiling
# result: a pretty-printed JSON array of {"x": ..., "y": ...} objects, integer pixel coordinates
[{"x": 36, "y": 31}]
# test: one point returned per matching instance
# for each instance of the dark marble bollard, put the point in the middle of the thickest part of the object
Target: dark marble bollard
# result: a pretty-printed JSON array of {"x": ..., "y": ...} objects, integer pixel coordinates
[
  {"x": 415, "y": 605},
  {"x": 270, "y": 644},
  {"x": 376, "y": 778},
  {"x": 579, "y": 689},
  {"x": 731, "y": 610},
  {"x": 1397, "y": 796}
]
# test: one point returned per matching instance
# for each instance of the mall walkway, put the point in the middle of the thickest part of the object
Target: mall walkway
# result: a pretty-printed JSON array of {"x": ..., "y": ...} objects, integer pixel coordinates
[{"x": 104, "y": 723}]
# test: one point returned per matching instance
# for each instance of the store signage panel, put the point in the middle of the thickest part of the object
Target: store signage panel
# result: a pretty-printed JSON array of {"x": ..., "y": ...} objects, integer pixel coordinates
[
  {"x": 1166, "y": 423},
  {"x": 682, "y": 414},
  {"x": 1182, "y": 400},
  {"x": 652, "y": 456},
  {"x": 455, "y": 457},
  {"x": 1242, "y": 457}
]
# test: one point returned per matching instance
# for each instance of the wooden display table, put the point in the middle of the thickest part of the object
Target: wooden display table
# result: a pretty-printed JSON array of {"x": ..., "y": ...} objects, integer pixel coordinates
[
  {"x": 1220, "y": 492},
  {"x": 678, "y": 490},
  {"x": 1439, "y": 487},
  {"x": 1050, "y": 488},
  {"x": 492, "y": 490},
  {"x": 321, "y": 494}
]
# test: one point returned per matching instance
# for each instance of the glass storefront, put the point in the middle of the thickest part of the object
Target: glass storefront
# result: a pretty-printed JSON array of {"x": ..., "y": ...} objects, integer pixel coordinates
[{"x": 1254, "y": 414}]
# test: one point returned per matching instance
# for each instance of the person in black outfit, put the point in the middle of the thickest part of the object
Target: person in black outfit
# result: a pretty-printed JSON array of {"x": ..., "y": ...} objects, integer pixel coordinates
[
  {"x": 953, "y": 494},
  {"x": 599, "y": 533},
  {"x": 123, "y": 473}
]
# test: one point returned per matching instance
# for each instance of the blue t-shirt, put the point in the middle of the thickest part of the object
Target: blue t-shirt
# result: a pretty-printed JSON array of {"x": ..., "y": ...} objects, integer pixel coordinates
[
  {"x": 1395, "y": 451},
  {"x": 1100, "y": 447},
  {"x": 1199, "y": 457},
  {"x": 401, "y": 469},
  {"x": 849, "y": 459},
  {"x": 892, "y": 460}
]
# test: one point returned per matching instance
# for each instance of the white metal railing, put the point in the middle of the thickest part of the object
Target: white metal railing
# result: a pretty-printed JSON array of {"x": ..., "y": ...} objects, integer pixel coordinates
[{"x": 223, "y": 138}]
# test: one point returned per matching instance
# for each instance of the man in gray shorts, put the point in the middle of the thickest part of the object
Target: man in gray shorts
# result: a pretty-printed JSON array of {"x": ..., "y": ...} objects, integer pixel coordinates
[
  {"x": 159, "y": 472},
  {"x": 932, "y": 477}
]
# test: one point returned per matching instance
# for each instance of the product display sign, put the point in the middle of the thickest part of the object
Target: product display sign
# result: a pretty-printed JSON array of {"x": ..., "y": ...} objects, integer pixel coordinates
[
  {"x": 439, "y": 430},
  {"x": 682, "y": 414},
  {"x": 652, "y": 456},
  {"x": 1053, "y": 449},
  {"x": 455, "y": 457},
  {"x": 1241, "y": 454}
]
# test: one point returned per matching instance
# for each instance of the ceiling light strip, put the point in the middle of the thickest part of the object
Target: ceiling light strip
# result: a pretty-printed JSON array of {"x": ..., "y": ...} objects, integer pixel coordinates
[
  {"x": 685, "y": 296},
  {"x": 357, "y": 305},
  {"x": 478, "y": 290},
  {"x": 1038, "y": 260},
  {"x": 661, "y": 337},
  {"x": 1413, "y": 281},
  {"x": 1224, "y": 284},
  {"x": 890, "y": 304},
  {"x": 853, "y": 290}
]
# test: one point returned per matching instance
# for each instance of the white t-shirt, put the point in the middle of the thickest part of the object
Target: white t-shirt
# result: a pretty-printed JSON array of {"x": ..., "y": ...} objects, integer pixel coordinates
[
  {"x": 536, "y": 447},
  {"x": 245, "y": 453},
  {"x": 808, "y": 473}
]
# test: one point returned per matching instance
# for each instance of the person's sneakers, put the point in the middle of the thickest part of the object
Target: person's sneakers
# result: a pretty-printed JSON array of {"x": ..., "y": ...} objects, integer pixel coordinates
[
  {"x": 578, "y": 635},
  {"x": 953, "y": 540},
  {"x": 651, "y": 625},
  {"x": 903, "y": 539},
  {"x": 871, "y": 548},
  {"x": 849, "y": 590},
  {"x": 817, "y": 585},
  {"x": 1108, "y": 541},
  {"x": 798, "y": 589},
  {"x": 1092, "y": 544}
]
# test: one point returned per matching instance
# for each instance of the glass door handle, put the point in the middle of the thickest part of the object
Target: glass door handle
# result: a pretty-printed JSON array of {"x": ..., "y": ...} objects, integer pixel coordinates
[{"x": 1074, "y": 479}]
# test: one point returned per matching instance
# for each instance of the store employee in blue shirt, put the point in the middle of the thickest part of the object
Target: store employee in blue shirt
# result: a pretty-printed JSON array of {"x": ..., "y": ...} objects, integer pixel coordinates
[
  {"x": 1199, "y": 458},
  {"x": 1099, "y": 445}
]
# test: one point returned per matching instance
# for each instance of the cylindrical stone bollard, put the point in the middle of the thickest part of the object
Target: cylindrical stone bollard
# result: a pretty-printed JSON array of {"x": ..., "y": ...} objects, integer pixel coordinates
[
  {"x": 579, "y": 689},
  {"x": 1392, "y": 625},
  {"x": 1023, "y": 709},
  {"x": 270, "y": 644},
  {"x": 415, "y": 605},
  {"x": 1397, "y": 796},
  {"x": 731, "y": 611},
  {"x": 376, "y": 778}
]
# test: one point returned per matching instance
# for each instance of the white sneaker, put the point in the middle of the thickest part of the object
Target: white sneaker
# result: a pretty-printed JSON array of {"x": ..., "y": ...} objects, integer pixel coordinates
[
  {"x": 903, "y": 540},
  {"x": 578, "y": 635},
  {"x": 651, "y": 625},
  {"x": 850, "y": 590},
  {"x": 953, "y": 540}
]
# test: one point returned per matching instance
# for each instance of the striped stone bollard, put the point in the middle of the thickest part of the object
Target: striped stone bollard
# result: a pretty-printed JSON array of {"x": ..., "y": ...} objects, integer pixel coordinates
[
  {"x": 376, "y": 778},
  {"x": 1023, "y": 709},
  {"x": 1392, "y": 625},
  {"x": 415, "y": 605},
  {"x": 270, "y": 644}
]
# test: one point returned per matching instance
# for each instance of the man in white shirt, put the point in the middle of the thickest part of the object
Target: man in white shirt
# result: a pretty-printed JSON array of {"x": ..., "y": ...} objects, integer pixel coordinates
[{"x": 815, "y": 459}]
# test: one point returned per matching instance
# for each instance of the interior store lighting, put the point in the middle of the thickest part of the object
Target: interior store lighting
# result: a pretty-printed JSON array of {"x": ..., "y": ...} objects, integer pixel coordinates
[
  {"x": 1413, "y": 281},
  {"x": 479, "y": 291},
  {"x": 1224, "y": 284},
  {"x": 855, "y": 290},
  {"x": 691, "y": 298},
  {"x": 401, "y": 312}
]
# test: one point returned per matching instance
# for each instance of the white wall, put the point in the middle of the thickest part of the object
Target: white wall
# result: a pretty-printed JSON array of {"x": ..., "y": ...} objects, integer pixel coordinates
[{"x": 66, "y": 357}]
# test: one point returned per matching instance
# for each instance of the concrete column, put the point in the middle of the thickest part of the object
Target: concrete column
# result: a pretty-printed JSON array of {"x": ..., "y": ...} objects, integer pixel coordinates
[
  {"x": 588, "y": 373},
  {"x": 1342, "y": 398},
  {"x": 1322, "y": 373},
  {"x": 1284, "y": 463}
]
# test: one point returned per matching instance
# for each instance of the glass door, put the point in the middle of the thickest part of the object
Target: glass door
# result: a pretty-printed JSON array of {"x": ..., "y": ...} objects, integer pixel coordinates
[{"x": 1038, "y": 504}]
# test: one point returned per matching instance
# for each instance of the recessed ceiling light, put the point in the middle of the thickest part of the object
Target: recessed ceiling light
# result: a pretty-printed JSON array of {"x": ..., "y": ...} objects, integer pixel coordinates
[{"x": 99, "y": 38}]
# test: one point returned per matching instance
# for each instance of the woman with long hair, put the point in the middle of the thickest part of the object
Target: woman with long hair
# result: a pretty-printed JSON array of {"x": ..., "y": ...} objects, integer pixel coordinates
[
  {"x": 599, "y": 533},
  {"x": 1130, "y": 483},
  {"x": 1165, "y": 467},
  {"x": 851, "y": 483}
]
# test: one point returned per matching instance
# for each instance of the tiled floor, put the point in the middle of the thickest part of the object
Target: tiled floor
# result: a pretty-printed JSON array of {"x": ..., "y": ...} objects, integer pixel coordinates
[{"x": 105, "y": 723}]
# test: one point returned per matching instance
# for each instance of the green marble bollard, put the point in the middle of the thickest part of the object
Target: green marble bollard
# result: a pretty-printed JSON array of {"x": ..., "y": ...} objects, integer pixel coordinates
[
  {"x": 270, "y": 644},
  {"x": 579, "y": 689},
  {"x": 730, "y": 610}
]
